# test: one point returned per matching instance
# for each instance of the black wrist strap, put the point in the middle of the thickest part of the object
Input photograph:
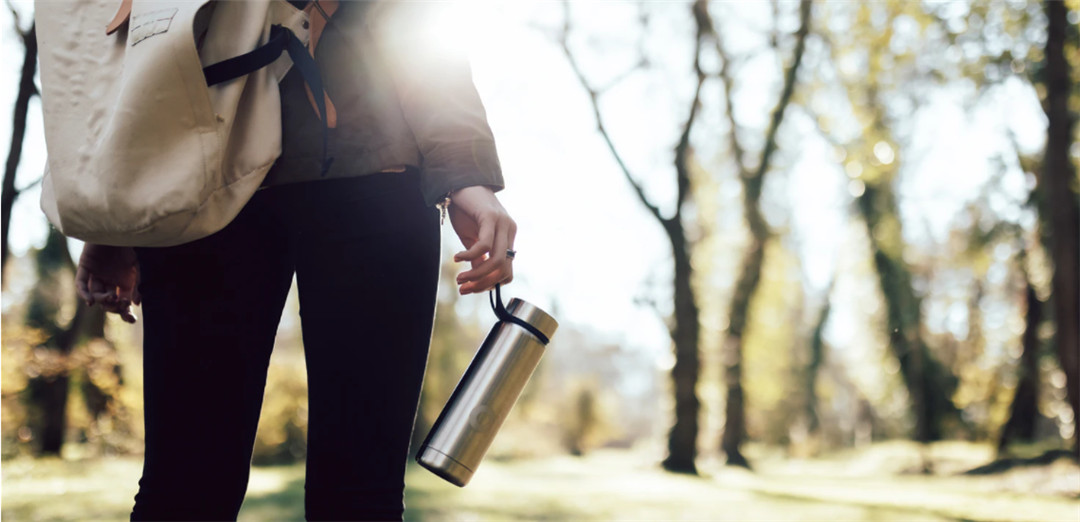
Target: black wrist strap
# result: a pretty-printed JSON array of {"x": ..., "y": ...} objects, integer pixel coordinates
[{"x": 495, "y": 296}]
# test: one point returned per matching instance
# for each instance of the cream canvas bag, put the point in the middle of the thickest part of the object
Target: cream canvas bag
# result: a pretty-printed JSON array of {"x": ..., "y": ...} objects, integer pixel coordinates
[{"x": 141, "y": 152}]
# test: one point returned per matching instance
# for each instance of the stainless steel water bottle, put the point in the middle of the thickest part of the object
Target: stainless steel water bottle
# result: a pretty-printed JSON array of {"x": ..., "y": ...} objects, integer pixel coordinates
[{"x": 486, "y": 393}]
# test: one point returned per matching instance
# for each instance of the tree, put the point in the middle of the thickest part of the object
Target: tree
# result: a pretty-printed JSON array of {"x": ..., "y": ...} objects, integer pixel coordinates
[
  {"x": 27, "y": 90},
  {"x": 686, "y": 328},
  {"x": 1058, "y": 187},
  {"x": 1024, "y": 410},
  {"x": 815, "y": 359},
  {"x": 929, "y": 383},
  {"x": 752, "y": 181}
]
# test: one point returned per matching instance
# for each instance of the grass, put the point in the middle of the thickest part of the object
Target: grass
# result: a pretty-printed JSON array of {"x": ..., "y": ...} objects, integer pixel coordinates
[{"x": 873, "y": 484}]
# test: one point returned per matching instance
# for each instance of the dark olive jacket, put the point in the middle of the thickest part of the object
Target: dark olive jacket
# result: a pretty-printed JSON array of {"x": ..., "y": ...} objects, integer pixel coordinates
[{"x": 401, "y": 100}]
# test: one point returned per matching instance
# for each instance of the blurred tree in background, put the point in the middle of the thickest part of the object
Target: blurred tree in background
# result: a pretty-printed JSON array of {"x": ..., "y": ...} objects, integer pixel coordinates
[{"x": 1058, "y": 187}]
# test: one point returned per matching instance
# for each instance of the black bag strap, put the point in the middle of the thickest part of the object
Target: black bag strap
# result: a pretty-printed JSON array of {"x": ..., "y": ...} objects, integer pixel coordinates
[{"x": 281, "y": 40}]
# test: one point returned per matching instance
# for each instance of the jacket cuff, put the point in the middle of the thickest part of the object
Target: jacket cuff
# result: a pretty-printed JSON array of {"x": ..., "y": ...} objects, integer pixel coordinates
[{"x": 465, "y": 165}]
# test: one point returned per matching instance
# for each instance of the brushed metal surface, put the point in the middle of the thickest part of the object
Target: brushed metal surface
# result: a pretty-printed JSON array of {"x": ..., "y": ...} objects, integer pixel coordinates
[
  {"x": 444, "y": 466},
  {"x": 533, "y": 315},
  {"x": 485, "y": 395}
]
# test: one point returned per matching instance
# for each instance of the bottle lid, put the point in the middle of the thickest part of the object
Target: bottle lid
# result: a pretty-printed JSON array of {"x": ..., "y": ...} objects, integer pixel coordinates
[{"x": 533, "y": 315}]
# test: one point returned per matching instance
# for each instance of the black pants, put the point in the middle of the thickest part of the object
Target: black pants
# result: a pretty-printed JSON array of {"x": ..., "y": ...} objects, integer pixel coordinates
[{"x": 365, "y": 252}]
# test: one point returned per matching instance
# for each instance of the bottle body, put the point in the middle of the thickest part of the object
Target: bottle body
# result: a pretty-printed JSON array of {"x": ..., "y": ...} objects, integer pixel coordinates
[{"x": 485, "y": 395}]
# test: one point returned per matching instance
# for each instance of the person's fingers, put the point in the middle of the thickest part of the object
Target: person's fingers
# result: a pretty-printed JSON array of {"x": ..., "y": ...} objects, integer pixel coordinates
[
  {"x": 106, "y": 301},
  {"x": 100, "y": 292},
  {"x": 82, "y": 285},
  {"x": 126, "y": 288},
  {"x": 105, "y": 297},
  {"x": 121, "y": 307},
  {"x": 111, "y": 308},
  {"x": 124, "y": 309},
  {"x": 496, "y": 261},
  {"x": 484, "y": 284},
  {"x": 483, "y": 243},
  {"x": 510, "y": 260},
  {"x": 97, "y": 285}
]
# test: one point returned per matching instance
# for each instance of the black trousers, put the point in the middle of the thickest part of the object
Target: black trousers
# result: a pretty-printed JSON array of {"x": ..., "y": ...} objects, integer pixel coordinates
[{"x": 365, "y": 252}]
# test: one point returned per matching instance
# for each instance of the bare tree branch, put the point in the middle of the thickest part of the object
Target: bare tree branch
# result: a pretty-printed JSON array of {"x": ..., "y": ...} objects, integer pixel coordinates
[
  {"x": 594, "y": 99},
  {"x": 725, "y": 73},
  {"x": 789, "y": 89},
  {"x": 682, "y": 149},
  {"x": 642, "y": 63},
  {"x": 774, "y": 34}
]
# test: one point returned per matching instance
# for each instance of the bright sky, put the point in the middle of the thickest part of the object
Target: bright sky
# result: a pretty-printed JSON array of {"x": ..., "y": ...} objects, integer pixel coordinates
[{"x": 586, "y": 247}]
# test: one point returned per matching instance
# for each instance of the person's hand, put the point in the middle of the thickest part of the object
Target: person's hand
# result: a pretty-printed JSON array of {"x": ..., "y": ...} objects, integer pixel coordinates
[
  {"x": 108, "y": 276},
  {"x": 487, "y": 232}
]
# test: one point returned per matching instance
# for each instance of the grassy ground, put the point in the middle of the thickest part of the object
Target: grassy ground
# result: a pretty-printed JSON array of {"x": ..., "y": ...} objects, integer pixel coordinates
[{"x": 873, "y": 484}]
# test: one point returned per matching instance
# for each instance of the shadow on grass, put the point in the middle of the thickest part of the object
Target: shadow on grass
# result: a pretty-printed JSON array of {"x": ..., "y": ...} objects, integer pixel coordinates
[{"x": 1006, "y": 464}]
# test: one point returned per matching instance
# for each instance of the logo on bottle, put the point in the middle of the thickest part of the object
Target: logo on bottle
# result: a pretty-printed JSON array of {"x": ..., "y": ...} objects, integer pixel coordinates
[{"x": 481, "y": 418}]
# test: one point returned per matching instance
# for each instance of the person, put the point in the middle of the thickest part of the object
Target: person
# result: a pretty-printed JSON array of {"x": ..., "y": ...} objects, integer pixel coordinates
[{"x": 363, "y": 243}]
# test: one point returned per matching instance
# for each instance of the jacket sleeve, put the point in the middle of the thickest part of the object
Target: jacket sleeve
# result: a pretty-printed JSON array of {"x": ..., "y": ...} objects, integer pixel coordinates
[{"x": 438, "y": 99}]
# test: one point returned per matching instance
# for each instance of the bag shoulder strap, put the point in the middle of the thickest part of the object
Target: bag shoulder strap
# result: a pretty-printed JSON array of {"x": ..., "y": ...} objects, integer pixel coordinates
[
  {"x": 320, "y": 12},
  {"x": 281, "y": 40}
]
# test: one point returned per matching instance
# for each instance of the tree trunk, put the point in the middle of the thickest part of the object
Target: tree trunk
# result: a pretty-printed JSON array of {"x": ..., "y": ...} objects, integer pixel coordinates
[
  {"x": 1024, "y": 411},
  {"x": 734, "y": 405},
  {"x": 48, "y": 420},
  {"x": 98, "y": 401},
  {"x": 1060, "y": 204},
  {"x": 813, "y": 368},
  {"x": 18, "y": 131},
  {"x": 48, "y": 388},
  {"x": 682, "y": 440},
  {"x": 930, "y": 385},
  {"x": 750, "y": 274}
]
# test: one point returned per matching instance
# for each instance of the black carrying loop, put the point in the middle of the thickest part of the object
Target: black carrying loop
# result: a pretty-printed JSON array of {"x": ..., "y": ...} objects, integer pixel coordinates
[
  {"x": 495, "y": 296},
  {"x": 281, "y": 40}
]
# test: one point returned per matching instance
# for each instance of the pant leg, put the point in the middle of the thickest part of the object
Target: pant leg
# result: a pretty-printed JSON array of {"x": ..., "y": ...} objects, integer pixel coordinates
[
  {"x": 367, "y": 270},
  {"x": 210, "y": 314}
]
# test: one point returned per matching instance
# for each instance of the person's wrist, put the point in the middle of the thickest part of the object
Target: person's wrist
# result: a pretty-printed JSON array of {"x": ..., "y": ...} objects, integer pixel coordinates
[
  {"x": 116, "y": 254},
  {"x": 470, "y": 190}
]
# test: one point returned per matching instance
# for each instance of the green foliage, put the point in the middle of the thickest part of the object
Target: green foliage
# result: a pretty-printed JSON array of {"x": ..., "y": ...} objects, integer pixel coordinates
[
  {"x": 775, "y": 325},
  {"x": 282, "y": 434}
]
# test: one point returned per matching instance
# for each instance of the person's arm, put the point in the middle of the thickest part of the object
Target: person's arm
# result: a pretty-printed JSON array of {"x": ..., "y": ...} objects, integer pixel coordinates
[
  {"x": 438, "y": 98},
  {"x": 459, "y": 160}
]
